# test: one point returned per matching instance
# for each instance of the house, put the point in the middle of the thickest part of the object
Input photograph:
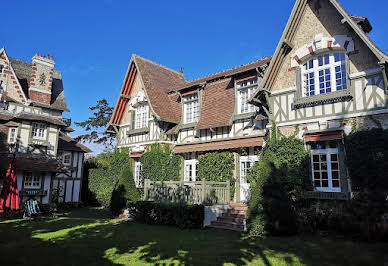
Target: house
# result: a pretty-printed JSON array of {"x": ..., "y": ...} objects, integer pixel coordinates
[
  {"x": 326, "y": 78},
  {"x": 32, "y": 100},
  {"x": 157, "y": 105}
]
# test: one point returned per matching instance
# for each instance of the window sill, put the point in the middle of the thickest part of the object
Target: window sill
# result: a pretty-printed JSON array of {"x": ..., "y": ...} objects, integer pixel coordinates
[
  {"x": 138, "y": 131},
  {"x": 333, "y": 97},
  {"x": 243, "y": 116},
  {"x": 326, "y": 195},
  {"x": 188, "y": 125},
  {"x": 39, "y": 142}
]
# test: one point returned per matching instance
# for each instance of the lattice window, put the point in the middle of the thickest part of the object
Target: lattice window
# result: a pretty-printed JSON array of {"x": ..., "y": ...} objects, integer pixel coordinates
[
  {"x": 38, "y": 130},
  {"x": 246, "y": 89},
  {"x": 31, "y": 181},
  {"x": 191, "y": 108},
  {"x": 141, "y": 116},
  {"x": 324, "y": 74}
]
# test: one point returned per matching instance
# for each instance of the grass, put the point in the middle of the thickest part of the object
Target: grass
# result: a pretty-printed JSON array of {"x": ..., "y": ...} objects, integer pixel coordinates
[{"x": 114, "y": 242}]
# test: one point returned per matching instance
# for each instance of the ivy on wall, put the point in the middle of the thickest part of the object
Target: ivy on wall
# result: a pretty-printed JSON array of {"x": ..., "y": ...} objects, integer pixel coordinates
[
  {"x": 160, "y": 164},
  {"x": 217, "y": 167}
]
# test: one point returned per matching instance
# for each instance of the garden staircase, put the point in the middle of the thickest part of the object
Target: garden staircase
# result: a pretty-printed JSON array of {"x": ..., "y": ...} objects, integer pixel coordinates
[{"x": 234, "y": 219}]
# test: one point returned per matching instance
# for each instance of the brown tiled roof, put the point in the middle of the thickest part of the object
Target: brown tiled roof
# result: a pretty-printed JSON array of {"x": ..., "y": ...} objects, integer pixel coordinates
[
  {"x": 217, "y": 104},
  {"x": 23, "y": 72},
  {"x": 31, "y": 162},
  {"x": 30, "y": 116},
  {"x": 229, "y": 72},
  {"x": 159, "y": 81},
  {"x": 67, "y": 143},
  {"x": 220, "y": 145}
]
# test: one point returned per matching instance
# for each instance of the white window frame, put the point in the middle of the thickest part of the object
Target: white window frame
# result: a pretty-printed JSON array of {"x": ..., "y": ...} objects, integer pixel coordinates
[
  {"x": 246, "y": 89},
  {"x": 326, "y": 152},
  {"x": 12, "y": 131},
  {"x": 190, "y": 170},
  {"x": 244, "y": 160},
  {"x": 64, "y": 155},
  {"x": 137, "y": 175},
  {"x": 141, "y": 116},
  {"x": 191, "y": 108},
  {"x": 38, "y": 130},
  {"x": 32, "y": 180},
  {"x": 316, "y": 80}
]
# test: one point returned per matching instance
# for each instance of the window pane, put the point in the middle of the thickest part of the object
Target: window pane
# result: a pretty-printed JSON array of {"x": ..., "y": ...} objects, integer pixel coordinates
[
  {"x": 322, "y": 157},
  {"x": 335, "y": 175},
  {"x": 315, "y": 158},
  {"x": 316, "y": 166},
  {"x": 317, "y": 183},
  {"x": 325, "y": 183},
  {"x": 336, "y": 183},
  {"x": 324, "y": 175}
]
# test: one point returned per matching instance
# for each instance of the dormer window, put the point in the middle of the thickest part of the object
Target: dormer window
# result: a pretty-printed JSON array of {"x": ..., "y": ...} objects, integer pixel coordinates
[
  {"x": 324, "y": 74},
  {"x": 246, "y": 89},
  {"x": 141, "y": 116},
  {"x": 191, "y": 108}
]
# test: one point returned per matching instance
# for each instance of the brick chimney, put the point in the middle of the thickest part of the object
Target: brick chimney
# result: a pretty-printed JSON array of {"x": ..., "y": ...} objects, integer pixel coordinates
[{"x": 41, "y": 79}]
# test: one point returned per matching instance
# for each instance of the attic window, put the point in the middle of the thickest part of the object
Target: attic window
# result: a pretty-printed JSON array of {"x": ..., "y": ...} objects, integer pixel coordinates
[
  {"x": 191, "y": 108},
  {"x": 246, "y": 89},
  {"x": 141, "y": 116}
]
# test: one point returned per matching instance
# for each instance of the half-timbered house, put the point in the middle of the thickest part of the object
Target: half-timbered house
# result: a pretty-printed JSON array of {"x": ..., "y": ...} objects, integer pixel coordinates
[
  {"x": 33, "y": 131},
  {"x": 157, "y": 105},
  {"x": 325, "y": 79}
]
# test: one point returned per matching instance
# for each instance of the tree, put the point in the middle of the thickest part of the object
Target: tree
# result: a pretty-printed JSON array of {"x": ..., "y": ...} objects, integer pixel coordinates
[{"x": 96, "y": 124}]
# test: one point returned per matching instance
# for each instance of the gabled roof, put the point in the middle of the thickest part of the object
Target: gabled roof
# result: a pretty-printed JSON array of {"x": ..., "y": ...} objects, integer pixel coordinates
[
  {"x": 158, "y": 81},
  {"x": 23, "y": 72},
  {"x": 228, "y": 72},
  {"x": 289, "y": 33},
  {"x": 10, "y": 116},
  {"x": 66, "y": 143}
]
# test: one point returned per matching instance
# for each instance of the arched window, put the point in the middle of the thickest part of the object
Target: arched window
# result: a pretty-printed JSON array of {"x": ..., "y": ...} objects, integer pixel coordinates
[{"x": 324, "y": 74}]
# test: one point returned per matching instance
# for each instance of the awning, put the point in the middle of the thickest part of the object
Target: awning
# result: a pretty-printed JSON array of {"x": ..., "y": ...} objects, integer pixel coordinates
[
  {"x": 323, "y": 136},
  {"x": 136, "y": 154},
  {"x": 220, "y": 145}
]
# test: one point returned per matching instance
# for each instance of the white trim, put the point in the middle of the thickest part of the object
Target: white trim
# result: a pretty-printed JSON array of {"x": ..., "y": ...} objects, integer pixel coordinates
[
  {"x": 144, "y": 143},
  {"x": 365, "y": 73},
  {"x": 297, "y": 122},
  {"x": 39, "y": 90},
  {"x": 284, "y": 91},
  {"x": 137, "y": 175},
  {"x": 327, "y": 152},
  {"x": 193, "y": 171}
]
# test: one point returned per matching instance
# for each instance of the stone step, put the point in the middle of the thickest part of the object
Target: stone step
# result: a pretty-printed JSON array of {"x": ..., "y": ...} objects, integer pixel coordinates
[
  {"x": 228, "y": 219},
  {"x": 239, "y": 212},
  {"x": 225, "y": 226}
]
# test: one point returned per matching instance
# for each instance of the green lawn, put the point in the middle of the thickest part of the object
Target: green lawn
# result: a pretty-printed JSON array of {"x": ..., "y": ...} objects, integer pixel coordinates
[{"x": 113, "y": 242}]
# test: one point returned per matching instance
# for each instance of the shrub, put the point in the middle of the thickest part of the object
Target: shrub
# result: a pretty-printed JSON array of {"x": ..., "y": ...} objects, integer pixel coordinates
[
  {"x": 217, "y": 167},
  {"x": 176, "y": 214},
  {"x": 159, "y": 164},
  {"x": 103, "y": 179},
  {"x": 124, "y": 192},
  {"x": 277, "y": 185},
  {"x": 367, "y": 161}
]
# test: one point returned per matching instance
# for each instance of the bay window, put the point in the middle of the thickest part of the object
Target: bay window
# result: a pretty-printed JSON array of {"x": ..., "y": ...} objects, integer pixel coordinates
[
  {"x": 38, "y": 130},
  {"x": 325, "y": 167},
  {"x": 31, "y": 180},
  {"x": 191, "y": 108},
  {"x": 324, "y": 74},
  {"x": 141, "y": 116},
  {"x": 246, "y": 89}
]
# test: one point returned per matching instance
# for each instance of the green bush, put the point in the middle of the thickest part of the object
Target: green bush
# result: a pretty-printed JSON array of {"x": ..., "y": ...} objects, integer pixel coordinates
[
  {"x": 124, "y": 192},
  {"x": 159, "y": 164},
  {"x": 103, "y": 179},
  {"x": 217, "y": 167},
  {"x": 277, "y": 183},
  {"x": 175, "y": 214}
]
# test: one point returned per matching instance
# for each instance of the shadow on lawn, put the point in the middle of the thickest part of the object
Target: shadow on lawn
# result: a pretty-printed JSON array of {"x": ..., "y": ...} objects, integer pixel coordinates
[{"x": 75, "y": 242}]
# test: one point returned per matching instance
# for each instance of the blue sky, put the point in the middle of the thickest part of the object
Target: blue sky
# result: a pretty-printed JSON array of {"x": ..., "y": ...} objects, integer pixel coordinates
[{"x": 92, "y": 41}]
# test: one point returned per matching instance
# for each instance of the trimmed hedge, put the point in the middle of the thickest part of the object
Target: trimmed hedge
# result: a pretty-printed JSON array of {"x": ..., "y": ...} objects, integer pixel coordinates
[
  {"x": 124, "y": 192},
  {"x": 103, "y": 179},
  {"x": 277, "y": 185},
  {"x": 175, "y": 214},
  {"x": 217, "y": 167},
  {"x": 159, "y": 164}
]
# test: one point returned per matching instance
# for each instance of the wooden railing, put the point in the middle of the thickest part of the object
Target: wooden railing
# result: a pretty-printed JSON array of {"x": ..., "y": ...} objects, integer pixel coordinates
[{"x": 200, "y": 192}]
